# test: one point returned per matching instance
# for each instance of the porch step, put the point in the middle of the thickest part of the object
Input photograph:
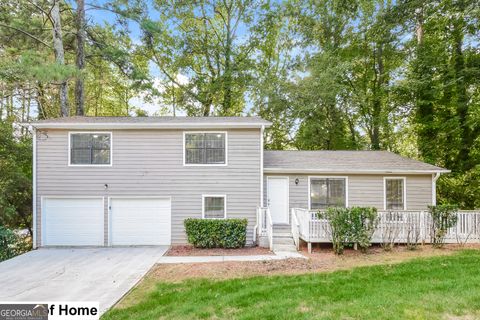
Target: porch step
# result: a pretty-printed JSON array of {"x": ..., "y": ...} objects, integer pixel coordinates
[
  {"x": 284, "y": 247},
  {"x": 282, "y": 228},
  {"x": 282, "y": 238}
]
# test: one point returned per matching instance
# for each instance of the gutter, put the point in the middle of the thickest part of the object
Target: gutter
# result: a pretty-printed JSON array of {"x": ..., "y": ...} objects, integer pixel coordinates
[
  {"x": 336, "y": 171},
  {"x": 434, "y": 188},
  {"x": 117, "y": 125}
]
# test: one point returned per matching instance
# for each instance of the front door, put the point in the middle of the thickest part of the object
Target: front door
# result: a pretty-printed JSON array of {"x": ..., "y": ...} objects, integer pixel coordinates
[{"x": 277, "y": 198}]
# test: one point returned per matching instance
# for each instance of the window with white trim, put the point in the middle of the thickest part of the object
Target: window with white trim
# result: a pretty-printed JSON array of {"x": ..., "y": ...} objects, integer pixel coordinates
[
  {"x": 214, "y": 207},
  {"x": 90, "y": 148},
  {"x": 394, "y": 193},
  {"x": 327, "y": 192},
  {"x": 205, "y": 148}
]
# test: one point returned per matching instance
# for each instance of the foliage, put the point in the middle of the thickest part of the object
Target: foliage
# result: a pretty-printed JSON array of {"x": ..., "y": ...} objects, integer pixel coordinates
[
  {"x": 350, "y": 226},
  {"x": 432, "y": 288},
  {"x": 216, "y": 233},
  {"x": 443, "y": 218},
  {"x": 12, "y": 244},
  {"x": 15, "y": 180}
]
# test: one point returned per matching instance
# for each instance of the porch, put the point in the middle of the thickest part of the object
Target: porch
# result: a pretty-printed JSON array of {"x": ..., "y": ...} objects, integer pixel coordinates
[{"x": 395, "y": 227}]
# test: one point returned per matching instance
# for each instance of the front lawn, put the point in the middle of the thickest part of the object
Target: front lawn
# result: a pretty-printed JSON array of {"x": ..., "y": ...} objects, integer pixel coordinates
[{"x": 444, "y": 287}]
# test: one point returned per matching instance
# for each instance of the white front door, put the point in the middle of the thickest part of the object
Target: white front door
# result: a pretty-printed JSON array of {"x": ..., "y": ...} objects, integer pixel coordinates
[
  {"x": 277, "y": 198},
  {"x": 140, "y": 221}
]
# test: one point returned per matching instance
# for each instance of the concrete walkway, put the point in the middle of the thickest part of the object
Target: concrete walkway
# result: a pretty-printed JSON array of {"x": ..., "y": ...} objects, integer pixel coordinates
[
  {"x": 90, "y": 274},
  {"x": 200, "y": 259}
]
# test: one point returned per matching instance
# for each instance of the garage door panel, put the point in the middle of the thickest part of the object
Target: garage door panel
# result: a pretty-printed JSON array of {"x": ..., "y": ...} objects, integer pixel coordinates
[
  {"x": 140, "y": 221},
  {"x": 73, "y": 222}
]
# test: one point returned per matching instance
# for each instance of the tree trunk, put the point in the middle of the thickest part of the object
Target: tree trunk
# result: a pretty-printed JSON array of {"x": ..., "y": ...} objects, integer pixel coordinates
[
  {"x": 79, "y": 84},
  {"x": 59, "y": 55}
]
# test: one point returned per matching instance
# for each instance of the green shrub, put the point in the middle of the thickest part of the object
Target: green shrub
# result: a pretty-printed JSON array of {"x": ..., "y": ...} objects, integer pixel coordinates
[
  {"x": 351, "y": 226},
  {"x": 12, "y": 244},
  {"x": 216, "y": 233},
  {"x": 443, "y": 218}
]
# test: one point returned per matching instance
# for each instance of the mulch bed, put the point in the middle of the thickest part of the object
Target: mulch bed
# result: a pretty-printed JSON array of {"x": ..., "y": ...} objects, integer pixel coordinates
[{"x": 186, "y": 250}]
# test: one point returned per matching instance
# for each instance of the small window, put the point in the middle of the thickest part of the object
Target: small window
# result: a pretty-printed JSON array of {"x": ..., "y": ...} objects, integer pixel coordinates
[
  {"x": 207, "y": 148},
  {"x": 90, "y": 148},
  {"x": 327, "y": 192},
  {"x": 394, "y": 193},
  {"x": 214, "y": 207}
]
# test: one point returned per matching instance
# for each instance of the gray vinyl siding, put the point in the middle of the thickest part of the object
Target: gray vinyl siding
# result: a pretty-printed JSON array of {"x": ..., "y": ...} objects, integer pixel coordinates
[
  {"x": 150, "y": 163},
  {"x": 363, "y": 190}
]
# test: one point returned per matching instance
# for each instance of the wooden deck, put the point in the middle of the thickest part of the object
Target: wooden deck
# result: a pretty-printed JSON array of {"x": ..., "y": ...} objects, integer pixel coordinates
[{"x": 396, "y": 227}]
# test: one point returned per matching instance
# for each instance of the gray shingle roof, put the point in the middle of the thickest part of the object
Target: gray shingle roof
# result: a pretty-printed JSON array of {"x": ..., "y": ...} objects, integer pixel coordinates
[
  {"x": 165, "y": 119},
  {"x": 344, "y": 162},
  {"x": 149, "y": 121}
]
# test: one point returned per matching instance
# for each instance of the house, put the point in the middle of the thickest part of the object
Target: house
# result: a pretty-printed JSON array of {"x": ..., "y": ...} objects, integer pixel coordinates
[{"x": 109, "y": 181}]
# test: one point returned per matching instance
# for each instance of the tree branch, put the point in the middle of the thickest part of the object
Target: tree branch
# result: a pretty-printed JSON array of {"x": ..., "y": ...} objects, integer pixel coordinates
[{"x": 26, "y": 33}]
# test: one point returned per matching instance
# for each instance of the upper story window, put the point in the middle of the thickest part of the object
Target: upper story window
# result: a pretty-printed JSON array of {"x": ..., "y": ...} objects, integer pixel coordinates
[
  {"x": 395, "y": 193},
  {"x": 205, "y": 148},
  {"x": 92, "y": 148},
  {"x": 328, "y": 192}
]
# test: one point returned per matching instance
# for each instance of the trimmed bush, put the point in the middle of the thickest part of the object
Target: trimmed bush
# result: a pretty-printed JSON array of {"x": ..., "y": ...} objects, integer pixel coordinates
[
  {"x": 443, "y": 217},
  {"x": 216, "y": 233},
  {"x": 351, "y": 226}
]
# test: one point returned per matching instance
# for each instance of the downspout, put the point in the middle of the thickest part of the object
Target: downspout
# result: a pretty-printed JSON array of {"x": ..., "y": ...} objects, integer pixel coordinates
[
  {"x": 255, "y": 228},
  {"x": 435, "y": 177},
  {"x": 261, "y": 165},
  {"x": 34, "y": 187}
]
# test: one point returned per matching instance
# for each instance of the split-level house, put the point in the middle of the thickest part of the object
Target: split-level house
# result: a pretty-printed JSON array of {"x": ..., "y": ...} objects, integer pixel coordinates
[{"x": 115, "y": 181}]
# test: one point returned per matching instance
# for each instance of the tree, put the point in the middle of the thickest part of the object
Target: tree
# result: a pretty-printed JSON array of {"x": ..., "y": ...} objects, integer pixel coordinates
[
  {"x": 80, "y": 58},
  {"x": 59, "y": 54}
]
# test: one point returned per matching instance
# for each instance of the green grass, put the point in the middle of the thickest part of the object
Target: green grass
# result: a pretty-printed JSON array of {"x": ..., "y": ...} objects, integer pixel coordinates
[{"x": 433, "y": 288}]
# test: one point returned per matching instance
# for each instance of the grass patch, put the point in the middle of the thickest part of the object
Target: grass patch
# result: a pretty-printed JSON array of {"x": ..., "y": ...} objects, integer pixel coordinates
[{"x": 446, "y": 287}]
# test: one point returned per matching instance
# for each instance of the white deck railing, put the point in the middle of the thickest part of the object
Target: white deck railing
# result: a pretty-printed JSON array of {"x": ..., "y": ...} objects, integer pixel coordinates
[{"x": 393, "y": 227}]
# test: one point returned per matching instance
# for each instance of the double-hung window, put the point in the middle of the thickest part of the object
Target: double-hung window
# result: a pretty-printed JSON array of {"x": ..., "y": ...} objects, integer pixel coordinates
[
  {"x": 395, "y": 192},
  {"x": 90, "y": 148},
  {"x": 328, "y": 192},
  {"x": 205, "y": 148},
  {"x": 214, "y": 206}
]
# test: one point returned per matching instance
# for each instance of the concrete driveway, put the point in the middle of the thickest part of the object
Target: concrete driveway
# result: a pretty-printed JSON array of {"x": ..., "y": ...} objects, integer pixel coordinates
[{"x": 93, "y": 274}]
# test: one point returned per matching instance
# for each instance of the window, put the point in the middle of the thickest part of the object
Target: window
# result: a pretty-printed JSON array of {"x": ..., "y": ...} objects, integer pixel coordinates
[
  {"x": 214, "y": 207},
  {"x": 328, "y": 192},
  {"x": 394, "y": 193},
  {"x": 90, "y": 148},
  {"x": 206, "y": 148}
]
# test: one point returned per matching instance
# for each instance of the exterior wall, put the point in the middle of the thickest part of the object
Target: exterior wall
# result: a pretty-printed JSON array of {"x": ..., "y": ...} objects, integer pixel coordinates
[
  {"x": 150, "y": 163},
  {"x": 363, "y": 190}
]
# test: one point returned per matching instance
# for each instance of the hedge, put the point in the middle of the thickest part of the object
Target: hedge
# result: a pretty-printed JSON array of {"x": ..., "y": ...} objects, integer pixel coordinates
[{"x": 216, "y": 233}]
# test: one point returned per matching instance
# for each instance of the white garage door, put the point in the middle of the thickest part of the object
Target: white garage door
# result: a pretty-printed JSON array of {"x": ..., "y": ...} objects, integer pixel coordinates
[
  {"x": 73, "y": 222},
  {"x": 140, "y": 221}
]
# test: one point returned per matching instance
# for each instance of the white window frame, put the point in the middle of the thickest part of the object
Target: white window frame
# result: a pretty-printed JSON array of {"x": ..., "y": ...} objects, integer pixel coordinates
[
  {"x": 327, "y": 177},
  {"x": 385, "y": 191},
  {"x": 205, "y": 164},
  {"x": 89, "y": 165},
  {"x": 224, "y": 196}
]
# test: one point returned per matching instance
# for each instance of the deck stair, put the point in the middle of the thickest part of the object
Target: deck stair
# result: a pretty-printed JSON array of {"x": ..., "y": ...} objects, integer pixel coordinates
[{"x": 282, "y": 238}]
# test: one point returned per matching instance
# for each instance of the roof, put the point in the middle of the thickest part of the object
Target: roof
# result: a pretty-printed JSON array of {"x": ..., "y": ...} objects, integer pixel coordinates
[
  {"x": 85, "y": 122},
  {"x": 343, "y": 162}
]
